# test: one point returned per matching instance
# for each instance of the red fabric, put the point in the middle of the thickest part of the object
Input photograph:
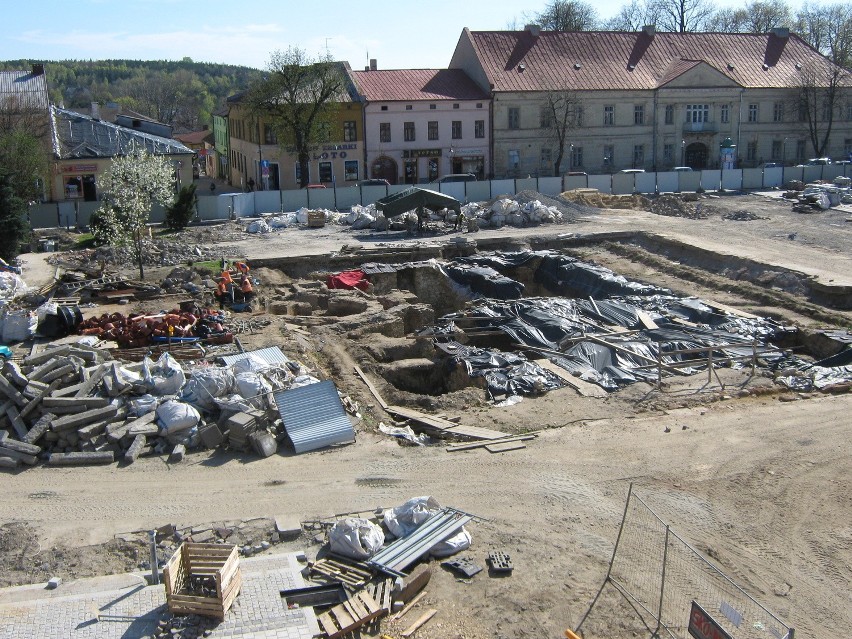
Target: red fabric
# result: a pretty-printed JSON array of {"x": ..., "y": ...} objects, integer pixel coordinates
[{"x": 348, "y": 279}]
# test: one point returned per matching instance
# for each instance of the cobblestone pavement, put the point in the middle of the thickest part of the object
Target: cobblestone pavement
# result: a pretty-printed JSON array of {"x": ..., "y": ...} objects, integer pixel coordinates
[{"x": 126, "y": 607}]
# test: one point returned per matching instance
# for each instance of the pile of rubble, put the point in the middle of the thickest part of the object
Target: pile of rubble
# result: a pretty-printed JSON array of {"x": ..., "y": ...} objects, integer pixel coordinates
[
  {"x": 674, "y": 206},
  {"x": 594, "y": 198},
  {"x": 817, "y": 197},
  {"x": 743, "y": 216},
  {"x": 154, "y": 253},
  {"x": 73, "y": 404}
]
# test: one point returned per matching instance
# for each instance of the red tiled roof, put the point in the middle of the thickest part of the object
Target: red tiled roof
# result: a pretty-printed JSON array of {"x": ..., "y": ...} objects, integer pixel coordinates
[
  {"x": 195, "y": 137},
  {"x": 614, "y": 60},
  {"x": 417, "y": 84}
]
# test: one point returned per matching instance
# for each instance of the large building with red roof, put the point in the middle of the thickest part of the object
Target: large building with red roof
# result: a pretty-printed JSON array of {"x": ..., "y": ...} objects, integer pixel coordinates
[{"x": 649, "y": 100}]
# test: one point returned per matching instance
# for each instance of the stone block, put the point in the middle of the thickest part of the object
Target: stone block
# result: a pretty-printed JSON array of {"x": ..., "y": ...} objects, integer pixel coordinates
[
  {"x": 81, "y": 458},
  {"x": 54, "y": 583},
  {"x": 178, "y": 453},
  {"x": 211, "y": 436},
  {"x": 29, "y": 460},
  {"x": 288, "y": 527},
  {"x": 8, "y": 462},
  {"x": 13, "y": 373},
  {"x": 71, "y": 422},
  {"x": 47, "y": 354}
]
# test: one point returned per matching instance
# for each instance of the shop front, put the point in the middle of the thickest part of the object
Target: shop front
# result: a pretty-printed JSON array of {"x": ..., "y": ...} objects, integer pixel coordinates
[
  {"x": 468, "y": 161},
  {"x": 421, "y": 165},
  {"x": 78, "y": 182}
]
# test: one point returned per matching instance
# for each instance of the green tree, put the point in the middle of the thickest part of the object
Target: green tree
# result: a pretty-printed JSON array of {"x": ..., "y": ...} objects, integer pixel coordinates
[
  {"x": 180, "y": 213},
  {"x": 24, "y": 160},
  {"x": 299, "y": 97},
  {"x": 131, "y": 186},
  {"x": 13, "y": 219},
  {"x": 568, "y": 15}
]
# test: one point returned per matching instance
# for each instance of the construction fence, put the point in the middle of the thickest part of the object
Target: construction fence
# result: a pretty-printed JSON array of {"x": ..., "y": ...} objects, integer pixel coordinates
[
  {"x": 676, "y": 592},
  {"x": 77, "y": 214}
]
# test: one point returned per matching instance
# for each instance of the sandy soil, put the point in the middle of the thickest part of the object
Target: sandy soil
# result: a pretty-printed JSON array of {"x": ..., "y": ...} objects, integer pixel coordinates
[{"x": 759, "y": 484}]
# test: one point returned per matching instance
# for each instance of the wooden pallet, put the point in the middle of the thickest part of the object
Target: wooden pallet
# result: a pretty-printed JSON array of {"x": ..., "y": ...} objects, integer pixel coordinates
[
  {"x": 381, "y": 591},
  {"x": 350, "y": 575},
  {"x": 360, "y": 609},
  {"x": 218, "y": 562}
]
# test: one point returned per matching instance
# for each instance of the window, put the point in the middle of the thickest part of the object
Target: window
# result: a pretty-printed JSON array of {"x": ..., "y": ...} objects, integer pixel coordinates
[
  {"x": 826, "y": 110},
  {"x": 777, "y": 150},
  {"x": 546, "y": 119},
  {"x": 479, "y": 105},
  {"x": 697, "y": 113},
  {"x": 752, "y": 113},
  {"x": 514, "y": 160},
  {"x": 408, "y": 131},
  {"x": 384, "y": 107},
  {"x": 349, "y": 131},
  {"x": 433, "y": 106},
  {"x": 849, "y": 112},
  {"x": 456, "y": 106},
  {"x": 432, "y": 130},
  {"x": 325, "y": 173},
  {"x": 577, "y": 156},
  {"x": 778, "y": 112},
  {"x": 725, "y": 114},
  {"x": 751, "y": 151},
  {"x": 803, "y": 111},
  {"x": 668, "y": 153},
  {"x": 350, "y": 170},
  {"x": 408, "y": 107},
  {"x": 479, "y": 129},
  {"x": 579, "y": 113},
  {"x": 847, "y": 146},
  {"x": 514, "y": 118},
  {"x": 608, "y": 155},
  {"x": 638, "y": 155},
  {"x": 299, "y": 173},
  {"x": 457, "y": 129},
  {"x": 609, "y": 115},
  {"x": 669, "y": 114},
  {"x": 800, "y": 149},
  {"x": 269, "y": 136},
  {"x": 384, "y": 132},
  {"x": 546, "y": 159},
  {"x": 639, "y": 114}
]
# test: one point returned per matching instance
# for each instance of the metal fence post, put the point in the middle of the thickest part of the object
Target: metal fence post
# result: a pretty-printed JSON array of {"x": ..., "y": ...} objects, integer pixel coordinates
[{"x": 155, "y": 569}]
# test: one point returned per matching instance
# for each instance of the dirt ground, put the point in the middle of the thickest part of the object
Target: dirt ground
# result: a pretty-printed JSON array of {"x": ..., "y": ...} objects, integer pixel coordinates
[{"x": 756, "y": 478}]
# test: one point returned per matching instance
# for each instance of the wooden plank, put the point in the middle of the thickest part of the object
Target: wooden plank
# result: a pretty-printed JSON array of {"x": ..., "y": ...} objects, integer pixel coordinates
[
  {"x": 472, "y": 445},
  {"x": 444, "y": 425},
  {"x": 729, "y": 309},
  {"x": 327, "y": 624},
  {"x": 581, "y": 386},
  {"x": 410, "y": 605},
  {"x": 372, "y": 388},
  {"x": 646, "y": 320},
  {"x": 371, "y": 606},
  {"x": 426, "y": 616},
  {"x": 504, "y": 447}
]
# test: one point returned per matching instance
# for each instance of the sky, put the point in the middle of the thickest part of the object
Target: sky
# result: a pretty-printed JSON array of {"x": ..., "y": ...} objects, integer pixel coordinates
[{"x": 404, "y": 34}]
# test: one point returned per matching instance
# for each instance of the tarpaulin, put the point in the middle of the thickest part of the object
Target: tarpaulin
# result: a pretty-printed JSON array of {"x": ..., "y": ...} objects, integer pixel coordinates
[
  {"x": 484, "y": 280},
  {"x": 348, "y": 280}
]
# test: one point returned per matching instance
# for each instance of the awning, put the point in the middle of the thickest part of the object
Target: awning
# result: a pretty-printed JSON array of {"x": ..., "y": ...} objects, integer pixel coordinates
[{"x": 413, "y": 198}]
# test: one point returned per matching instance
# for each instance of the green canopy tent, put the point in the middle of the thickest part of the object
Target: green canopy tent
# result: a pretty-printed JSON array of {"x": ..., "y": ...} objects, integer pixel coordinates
[{"x": 416, "y": 199}]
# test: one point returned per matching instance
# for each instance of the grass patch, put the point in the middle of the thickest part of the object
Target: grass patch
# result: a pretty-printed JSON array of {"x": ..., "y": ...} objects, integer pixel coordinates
[{"x": 84, "y": 241}]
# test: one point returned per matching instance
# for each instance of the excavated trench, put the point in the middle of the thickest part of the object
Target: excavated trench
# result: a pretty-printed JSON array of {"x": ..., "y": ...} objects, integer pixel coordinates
[{"x": 407, "y": 294}]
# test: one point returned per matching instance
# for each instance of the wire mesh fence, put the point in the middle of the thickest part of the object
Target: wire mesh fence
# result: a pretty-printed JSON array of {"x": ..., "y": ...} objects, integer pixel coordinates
[{"x": 665, "y": 579}]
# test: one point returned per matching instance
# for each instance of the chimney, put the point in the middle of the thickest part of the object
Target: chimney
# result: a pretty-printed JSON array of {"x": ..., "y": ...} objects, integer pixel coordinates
[
  {"x": 533, "y": 29},
  {"x": 649, "y": 30},
  {"x": 38, "y": 69},
  {"x": 96, "y": 111},
  {"x": 373, "y": 64},
  {"x": 781, "y": 32}
]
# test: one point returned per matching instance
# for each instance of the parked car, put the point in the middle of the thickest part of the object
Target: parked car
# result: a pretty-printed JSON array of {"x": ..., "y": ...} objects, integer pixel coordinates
[
  {"x": 5, "y": 353},
  {"x": 373, "y": 182},
  {"x": 771, "y": 165},
  {"x": 683, "y": 169},
  {"x": 818, "y": 161},
  {"x": 455, "y": 177},
  {"x": 315, "y": 186},
  {"x": 576, "y": 173},
  {"x": 632, "y": 171}
]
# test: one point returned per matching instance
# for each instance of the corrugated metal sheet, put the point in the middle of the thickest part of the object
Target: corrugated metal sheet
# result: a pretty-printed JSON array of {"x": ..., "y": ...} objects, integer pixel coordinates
[
  {"x": 23, "y": 90},
  {"x": 314, "y": 417},
  {"x": 399, "y": 554},
  {"x": 272, "y": 356}
]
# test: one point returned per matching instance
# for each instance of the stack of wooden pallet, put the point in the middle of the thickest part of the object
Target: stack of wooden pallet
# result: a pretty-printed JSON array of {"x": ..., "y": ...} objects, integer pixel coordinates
[{"x": 360, "y": 609}]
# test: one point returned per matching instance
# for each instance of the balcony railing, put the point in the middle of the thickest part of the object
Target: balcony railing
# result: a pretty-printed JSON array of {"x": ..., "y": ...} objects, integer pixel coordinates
[{"x": 700, "y": 127}]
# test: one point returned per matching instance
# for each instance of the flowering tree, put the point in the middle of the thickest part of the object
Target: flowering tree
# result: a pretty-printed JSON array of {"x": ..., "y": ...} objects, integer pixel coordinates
[{"x": 132, "y": 185}]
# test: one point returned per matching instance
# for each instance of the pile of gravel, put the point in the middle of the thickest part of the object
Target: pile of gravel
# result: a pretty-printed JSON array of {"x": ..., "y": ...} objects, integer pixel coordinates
[
  {"x": 673, "y": 206},
  {"x": 571, "y": 211}
]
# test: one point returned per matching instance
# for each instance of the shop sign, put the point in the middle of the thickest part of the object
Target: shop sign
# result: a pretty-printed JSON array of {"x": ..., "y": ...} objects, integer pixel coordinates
[
  {"x": 79, "y": 168},
  {"x": 422, "y": 153}
]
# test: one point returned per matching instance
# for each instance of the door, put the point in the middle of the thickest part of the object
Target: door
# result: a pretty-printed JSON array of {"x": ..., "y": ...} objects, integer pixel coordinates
[
  {"x": 384, "y": 168},
  {"x": 696, "y": 156},
  {"x": 410, "y": 168}
]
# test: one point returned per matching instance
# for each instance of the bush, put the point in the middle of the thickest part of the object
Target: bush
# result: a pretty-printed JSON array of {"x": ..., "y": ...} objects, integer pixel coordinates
[
  {"x": 180, "y": 213},
  {"x": 99, "y": 228}
]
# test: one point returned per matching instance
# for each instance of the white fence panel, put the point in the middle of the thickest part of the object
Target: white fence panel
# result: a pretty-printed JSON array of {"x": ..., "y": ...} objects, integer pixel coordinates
[
  {"x": 553, "y": 185},
  {"x": 623, "y": 183},
  {"x": 368, "y": 195},
  {"x": 793, "y": 173},
  {"x": 213, "y": 207},
  {"x": 602, "y": 183},
  {"x": 526, "y": 184},
  {"x": 577, "y": 181},
  {"x": 267, "y": 201},
  {"x": 85, "y": 210},
  {"x": 453, "y": 189},
  {"x": 320, "y": 198},
  {"x": 243, "y": 204},
  {"x": 349, "y": 196},
  {"x": 732, "y": 179},
  {"x": 812, "y": 173},
  {"x": 667, "y": 182},
  {"x": 157, "y": 215},
  {"x": 688, "y": 181},
  {"x": 502, "y": 187},
  {"x": 711, "y": 180},
  {"x": 773, "y": 176},
  {"x": 646, "y": 182},
  {"x": 67, "y": 213},
  {"x": 294, "y": 200},
  {"x": 479, "y": 191},
  {"x": 43, "y": 216},
  {"x": 831, "y": 171},
  {"x": 752, "y": 178}
]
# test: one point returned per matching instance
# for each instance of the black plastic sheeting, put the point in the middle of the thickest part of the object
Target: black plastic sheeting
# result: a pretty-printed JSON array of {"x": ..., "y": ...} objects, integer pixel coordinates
[
  {"x": 484, "y": 280},
  {"x": 570, "y": 276},
  {"x": 504, "y": 373}
]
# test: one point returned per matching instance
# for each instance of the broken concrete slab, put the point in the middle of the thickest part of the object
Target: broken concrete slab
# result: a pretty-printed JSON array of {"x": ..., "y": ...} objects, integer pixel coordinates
[
  {"x": 36, "y": 401},
  {"x": 47, "y": 354},
  {"x": 135, "y": 449},
  {"x": 39, "y": 428},
  {"x": 93, "y": 430},
  {"x": 36, "y": 374},
  {"x": 8, "y": 462},
  {"x": 178, "y": 453},
  {"x": 13, "y": 373},
  {"x": 70, "y": 422},
  {"x": 94, "y": 379},
  {"x": 81, "y": 459},
  {"x": 11, "y": 392},
  {"x": 211, "y": 436},
  {"x": 29, "y": 460},
  {"x": 59, "y": 373},
  {"x": 16, "y": 421},
  {"x": 78, "y": 403},
  {"x": 288, "y": 527},
  {"x": 20, "y": 446}
]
